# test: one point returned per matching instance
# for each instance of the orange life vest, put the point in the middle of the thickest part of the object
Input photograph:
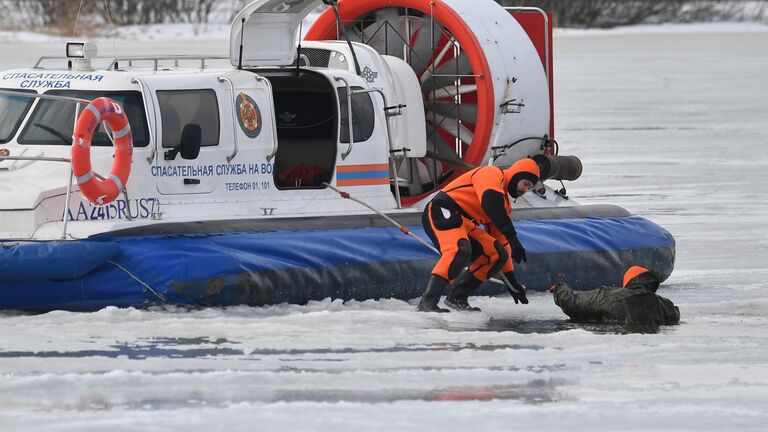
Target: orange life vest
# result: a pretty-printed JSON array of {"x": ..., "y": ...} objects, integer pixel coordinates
[{"x": 467, "y": 190}]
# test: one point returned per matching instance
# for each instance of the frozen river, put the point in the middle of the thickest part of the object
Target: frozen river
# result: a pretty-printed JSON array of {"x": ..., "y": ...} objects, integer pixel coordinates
[{"x": 671, "y": 126}]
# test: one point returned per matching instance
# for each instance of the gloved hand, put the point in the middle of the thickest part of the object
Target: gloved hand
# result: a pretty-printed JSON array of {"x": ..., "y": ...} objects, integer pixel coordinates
[
  {"x": 518, "y": 251},
  {"x": 518, "y": 291}
]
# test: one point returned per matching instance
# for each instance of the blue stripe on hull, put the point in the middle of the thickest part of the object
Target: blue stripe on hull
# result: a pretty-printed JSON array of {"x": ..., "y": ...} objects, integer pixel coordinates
[
  {"x": 295, "y": 266},
  {"x": 361, "y": 175}
]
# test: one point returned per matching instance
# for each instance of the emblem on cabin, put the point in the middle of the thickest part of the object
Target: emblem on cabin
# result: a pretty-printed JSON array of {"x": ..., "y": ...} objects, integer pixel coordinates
[
  {"x": 248, "y": 115},
  {"x": 369, "y": 75},
  {"x": 4, "y": 152},
  {"x": 287, "y": 117}
]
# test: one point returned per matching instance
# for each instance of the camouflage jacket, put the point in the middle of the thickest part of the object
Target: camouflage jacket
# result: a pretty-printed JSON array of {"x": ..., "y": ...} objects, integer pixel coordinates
[{"x": 633, "y": 306}]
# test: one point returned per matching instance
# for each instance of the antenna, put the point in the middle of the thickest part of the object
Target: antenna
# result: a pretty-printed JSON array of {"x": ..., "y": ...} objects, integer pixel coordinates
[
  {"x": 298, "y": 48},
  {"x": 335, "y": 5},
  {"x": 112, "y": 30},
  {"x": 77, "y": 18},
  {"x": 242, "y": 33}
]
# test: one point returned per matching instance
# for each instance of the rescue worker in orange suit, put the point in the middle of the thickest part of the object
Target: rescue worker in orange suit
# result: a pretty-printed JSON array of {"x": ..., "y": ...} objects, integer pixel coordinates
[
  {"x": 453, "y": 220},
  {"x": 635, "y": 304}
]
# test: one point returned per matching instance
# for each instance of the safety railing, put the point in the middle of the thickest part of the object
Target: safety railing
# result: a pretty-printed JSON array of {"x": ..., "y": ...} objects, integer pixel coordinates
[
  {"x": 271, "y": 94},
  {"x": 349, "y": 116},
  {"x": 113, "y": 63},
  {"x": 234, "y": 116},
  {"x": 153, "y": 129},
  {"x": 156, "y": 60}
]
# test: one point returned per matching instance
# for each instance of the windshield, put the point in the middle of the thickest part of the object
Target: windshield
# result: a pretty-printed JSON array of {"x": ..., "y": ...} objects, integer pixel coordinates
[
  {"x": 52, "y": 121},
  {"x": 12, "y": 111}
]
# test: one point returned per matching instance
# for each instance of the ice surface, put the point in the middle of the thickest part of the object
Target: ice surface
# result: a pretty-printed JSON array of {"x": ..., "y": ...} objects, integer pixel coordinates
[{"x": 671, "y": 126}]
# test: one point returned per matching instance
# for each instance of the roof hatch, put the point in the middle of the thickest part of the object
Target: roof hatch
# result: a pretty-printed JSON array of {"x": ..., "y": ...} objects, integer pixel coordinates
[{"x": 269, "y": 32}]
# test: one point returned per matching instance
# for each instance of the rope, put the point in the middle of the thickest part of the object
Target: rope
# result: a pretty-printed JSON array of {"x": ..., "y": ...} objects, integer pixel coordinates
[
  {"x": 504, "y": 281},
  {"x": 134, "y": 277},
  {"x": 403, "y": 228}
]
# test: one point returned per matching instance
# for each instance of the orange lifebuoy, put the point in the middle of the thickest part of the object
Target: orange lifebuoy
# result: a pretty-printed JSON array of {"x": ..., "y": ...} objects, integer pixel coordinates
[{"x": 102, "y": 191}]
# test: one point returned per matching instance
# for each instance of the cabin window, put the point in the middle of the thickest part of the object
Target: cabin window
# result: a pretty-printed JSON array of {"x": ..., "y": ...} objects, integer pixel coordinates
[
  {"x": 179, "y": 108},
  {"x": 52, "y": 121},
  {"x": 306, "y": 120},
  {"x": 13, "y": 108},
  {"x": 324, "y": 58},
  {"x": 363, "y": 118}
]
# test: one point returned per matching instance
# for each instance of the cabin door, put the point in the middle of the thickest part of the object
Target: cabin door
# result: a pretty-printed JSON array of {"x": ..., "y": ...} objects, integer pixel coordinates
[{"x": 189, "y": 118}]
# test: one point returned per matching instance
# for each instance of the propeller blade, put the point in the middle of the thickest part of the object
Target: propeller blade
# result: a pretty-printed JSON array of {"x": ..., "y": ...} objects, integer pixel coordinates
[
  {"x": 434, "y": 168},
  {"x": 449, "y": 160},
  {"x": 465, "y": 112},
  {"x": 385, "y": 34},
  {"x": 422, "y": 51},
  {"x": 451, "y": 91},
  {"x": 440, "y": 145},
  {"x": 354, "y": 33},
  {"x": 448, "y": 73},
  {"x": 450, "y": 125},
  {"x": 449, "y": 45}
]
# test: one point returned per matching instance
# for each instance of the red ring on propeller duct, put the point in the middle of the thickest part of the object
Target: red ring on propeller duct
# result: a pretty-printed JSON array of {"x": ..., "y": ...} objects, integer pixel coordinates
[{"x": 351, "y": 10}]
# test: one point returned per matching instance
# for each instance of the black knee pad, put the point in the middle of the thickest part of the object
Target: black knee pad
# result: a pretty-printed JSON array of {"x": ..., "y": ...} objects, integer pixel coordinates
[
  {"x": 477, "y": 249},
  {"x": 503, "y": 257},
  {"x": 461, "y": 259}
]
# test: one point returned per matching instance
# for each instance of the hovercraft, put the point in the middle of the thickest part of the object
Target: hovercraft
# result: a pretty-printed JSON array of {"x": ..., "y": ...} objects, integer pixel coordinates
[{"x": 212, "y": 181}]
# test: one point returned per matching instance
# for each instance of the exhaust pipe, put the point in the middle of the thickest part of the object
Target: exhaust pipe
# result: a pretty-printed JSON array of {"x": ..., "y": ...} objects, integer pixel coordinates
[{"x": 558, "y": 167}]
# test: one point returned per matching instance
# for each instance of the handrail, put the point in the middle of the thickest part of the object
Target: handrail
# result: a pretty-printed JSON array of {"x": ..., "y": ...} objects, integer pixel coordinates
[
  {"x": 349, "y": 117},
  {"x": 113, "y": 61},
  {"x": 35, "y": 158},
  {"x": 154, "y": 119},
  {"x": 157, "y": 60},
  {"x": 274, "y": 127},
  {"x": 390, "y": 141},
  {"x": 42, "y": 58},
  {"x": 234, "y": 115},
  {"x": 68, "y": 200}
]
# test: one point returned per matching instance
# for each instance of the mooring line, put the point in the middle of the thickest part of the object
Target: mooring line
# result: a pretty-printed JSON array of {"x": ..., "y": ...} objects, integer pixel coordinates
[
  {"x": 403, "y": 228},
  {"x": 136, "y": 278}
]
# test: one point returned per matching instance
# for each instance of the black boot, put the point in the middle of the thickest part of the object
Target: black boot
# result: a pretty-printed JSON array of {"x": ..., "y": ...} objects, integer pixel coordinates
[
  {"x": 462, "y": 288},
  {"x": 432, "y": 294}
]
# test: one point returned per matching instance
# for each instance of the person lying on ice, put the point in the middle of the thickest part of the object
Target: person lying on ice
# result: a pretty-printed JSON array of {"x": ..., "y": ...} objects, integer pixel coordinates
[
  {"x": 452, "y": 221},
  {"x": 635, "y": 304}
]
